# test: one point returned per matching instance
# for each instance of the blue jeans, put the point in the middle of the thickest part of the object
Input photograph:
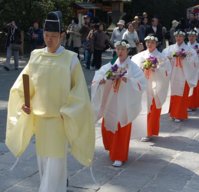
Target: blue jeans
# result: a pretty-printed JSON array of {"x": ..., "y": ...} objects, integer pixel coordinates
[
  {"x": 9, "y": 55},
  {"x": 84, "y": 44},
  {"x": 88, "y": 55}
]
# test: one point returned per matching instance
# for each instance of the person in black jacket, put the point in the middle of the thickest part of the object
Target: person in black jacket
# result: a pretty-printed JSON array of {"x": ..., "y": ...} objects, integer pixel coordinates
[
  {"x": 156, "y": 29},
  {"x": 13, "y": 44},
  {"x": 35, "y": 34}
]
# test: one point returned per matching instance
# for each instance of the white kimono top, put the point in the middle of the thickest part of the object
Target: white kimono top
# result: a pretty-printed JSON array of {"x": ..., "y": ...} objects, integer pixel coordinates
[
  {"x": 123, "y": 106},
  {"x": 194, "y": 45},
  {"x": 59, "y": 99},
  {"x": 158, "y": 80},
  {"x": 187, "y": 71}
]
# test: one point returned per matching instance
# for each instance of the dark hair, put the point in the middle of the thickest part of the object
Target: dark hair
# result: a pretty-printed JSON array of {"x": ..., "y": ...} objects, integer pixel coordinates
[
  {"x": 104, "y": 26},
  {"x": 129, "y": 23},
  {"x": 76, "y": 20},
  {"x": 179, "y": 29},
  {"x": 96, "y": 26}
]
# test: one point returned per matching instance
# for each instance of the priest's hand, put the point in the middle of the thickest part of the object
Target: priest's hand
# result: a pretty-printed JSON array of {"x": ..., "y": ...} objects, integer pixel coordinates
[
  {"x": 124, "y": 79},
  {"x": 103, "y": 81},
  {"x": 26, "y": 109}
]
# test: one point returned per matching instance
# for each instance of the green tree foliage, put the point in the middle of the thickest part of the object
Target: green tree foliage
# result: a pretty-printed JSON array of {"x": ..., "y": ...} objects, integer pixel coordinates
[
  {"x": 26, "y": 11},
  {"x": 167, "y": 10}
]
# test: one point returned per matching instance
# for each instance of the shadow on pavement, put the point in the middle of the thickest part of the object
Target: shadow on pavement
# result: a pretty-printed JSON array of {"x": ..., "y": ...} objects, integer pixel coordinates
[{"x": 178, "y": 143}]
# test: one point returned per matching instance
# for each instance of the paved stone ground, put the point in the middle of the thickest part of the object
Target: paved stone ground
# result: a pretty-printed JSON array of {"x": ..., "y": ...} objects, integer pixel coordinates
[{"x": 170, "y": 163}]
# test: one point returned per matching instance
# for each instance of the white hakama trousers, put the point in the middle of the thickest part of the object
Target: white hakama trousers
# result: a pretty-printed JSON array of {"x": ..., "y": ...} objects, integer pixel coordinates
[{"x": 53, "y": 174}]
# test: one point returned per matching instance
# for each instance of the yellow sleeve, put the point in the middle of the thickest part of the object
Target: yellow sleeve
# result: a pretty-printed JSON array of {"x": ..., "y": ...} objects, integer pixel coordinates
[
  {"x": 19, "y": 128},
  {"x": 78, "y": 119}
]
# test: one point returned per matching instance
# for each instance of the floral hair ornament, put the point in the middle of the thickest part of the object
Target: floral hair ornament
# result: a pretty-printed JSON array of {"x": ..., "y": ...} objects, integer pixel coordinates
[
  {"x": 122, "y": 43},
  {"x": 151, "y": 37},
  {"x": 192, "y": 32},
  {"x": 179, "y": 32}
]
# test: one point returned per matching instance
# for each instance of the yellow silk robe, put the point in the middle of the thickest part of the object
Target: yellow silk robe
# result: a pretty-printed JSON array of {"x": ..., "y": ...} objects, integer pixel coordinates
[{"x": 56, "y": 89}]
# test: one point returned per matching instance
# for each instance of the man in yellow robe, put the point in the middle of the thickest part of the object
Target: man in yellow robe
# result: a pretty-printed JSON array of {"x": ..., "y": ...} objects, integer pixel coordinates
[{"x": 60, "y": 115}]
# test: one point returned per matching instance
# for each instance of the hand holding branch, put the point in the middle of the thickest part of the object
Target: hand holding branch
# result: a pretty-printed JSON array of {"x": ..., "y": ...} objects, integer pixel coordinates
[{"x": 26, "y": 109}]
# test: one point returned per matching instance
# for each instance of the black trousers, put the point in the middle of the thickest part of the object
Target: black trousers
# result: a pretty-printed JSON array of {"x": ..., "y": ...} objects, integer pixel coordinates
[
  {"x": 97, "y": 59},
  {"x": 76, "y": 50}
]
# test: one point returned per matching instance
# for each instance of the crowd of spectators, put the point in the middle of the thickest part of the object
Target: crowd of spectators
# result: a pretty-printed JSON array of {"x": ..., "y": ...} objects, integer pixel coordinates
[{"x": 92, "y": 38}]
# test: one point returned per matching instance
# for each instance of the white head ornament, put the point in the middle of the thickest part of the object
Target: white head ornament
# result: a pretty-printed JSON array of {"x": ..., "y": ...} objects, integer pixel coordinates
[
  {"x": 192, "y": 32},
  {"x": 179, "y": 33},
  {"x": 122, "y": 43},
  {"x": 151, "y": 37}
]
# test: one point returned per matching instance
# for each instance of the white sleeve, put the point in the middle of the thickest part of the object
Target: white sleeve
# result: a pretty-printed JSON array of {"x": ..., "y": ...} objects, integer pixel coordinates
[
  {"x": 166, "y": 52},
  {"x": 124, "y": 36},
  {"x": 138, "y": 59},
  {"x": 137, "y": 77}
]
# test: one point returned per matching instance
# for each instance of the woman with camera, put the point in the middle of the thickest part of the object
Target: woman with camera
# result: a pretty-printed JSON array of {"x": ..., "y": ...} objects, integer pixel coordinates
[{"x": 13, "y": 44}]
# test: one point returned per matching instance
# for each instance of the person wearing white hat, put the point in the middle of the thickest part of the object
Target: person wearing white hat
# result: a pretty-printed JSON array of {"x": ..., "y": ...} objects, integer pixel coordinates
[
  {"x": 157, "y": 69},
  {"x": 118, "y": 32},
  {"x": 183, "y": 77},
  {"x": 116, "y": 97},
  {"x": 121, "y": 22},
  {"x": 194, "y": 99},
  {"x": 174, "y": 25},
  {"x": 56, "y": 115}
]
